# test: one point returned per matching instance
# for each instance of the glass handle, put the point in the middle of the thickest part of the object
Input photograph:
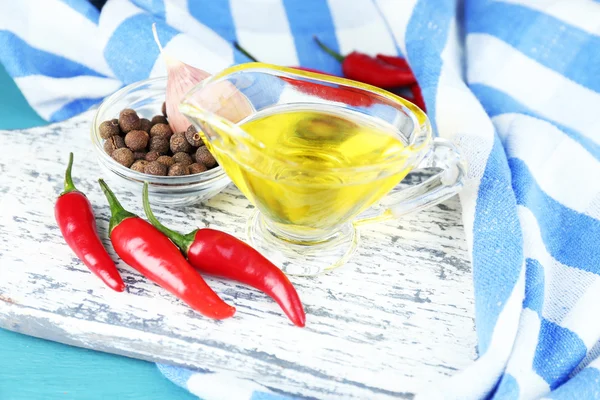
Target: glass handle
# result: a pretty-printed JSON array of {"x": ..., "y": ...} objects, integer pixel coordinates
[{"x": 443, "y": 155}]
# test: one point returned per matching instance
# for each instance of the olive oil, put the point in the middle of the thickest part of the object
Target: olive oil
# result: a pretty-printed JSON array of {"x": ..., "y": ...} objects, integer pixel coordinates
[{"x": 312, "y": 169}]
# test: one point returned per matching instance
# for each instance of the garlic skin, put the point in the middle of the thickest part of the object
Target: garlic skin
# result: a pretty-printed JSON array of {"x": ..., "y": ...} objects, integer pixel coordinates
[{"x": 181, "y": 78}]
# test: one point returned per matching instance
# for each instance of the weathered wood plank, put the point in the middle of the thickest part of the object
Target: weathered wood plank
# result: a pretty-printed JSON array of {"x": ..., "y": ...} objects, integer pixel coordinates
[{"x": 397, "y": 318}]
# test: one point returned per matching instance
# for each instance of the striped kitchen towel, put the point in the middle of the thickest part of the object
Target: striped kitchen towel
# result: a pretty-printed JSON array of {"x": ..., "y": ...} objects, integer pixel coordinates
[{"x": 516, "y": 83}]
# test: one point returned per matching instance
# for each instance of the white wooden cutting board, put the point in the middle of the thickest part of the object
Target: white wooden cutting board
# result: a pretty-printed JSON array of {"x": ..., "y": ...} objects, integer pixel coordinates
[{"x": 397, "y": 318}]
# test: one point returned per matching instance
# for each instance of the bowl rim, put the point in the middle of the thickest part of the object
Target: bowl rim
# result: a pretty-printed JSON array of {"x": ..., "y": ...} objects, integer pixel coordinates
[{"x": 205, "y": 177}]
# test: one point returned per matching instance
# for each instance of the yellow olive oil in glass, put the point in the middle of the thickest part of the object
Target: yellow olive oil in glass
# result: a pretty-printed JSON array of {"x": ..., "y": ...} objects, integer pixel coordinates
[{"x": 314, "y": 167}]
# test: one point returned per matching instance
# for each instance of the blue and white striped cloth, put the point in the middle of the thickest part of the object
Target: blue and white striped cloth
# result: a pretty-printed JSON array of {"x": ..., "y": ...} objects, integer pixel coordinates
[{"x": 516, "y": 83}]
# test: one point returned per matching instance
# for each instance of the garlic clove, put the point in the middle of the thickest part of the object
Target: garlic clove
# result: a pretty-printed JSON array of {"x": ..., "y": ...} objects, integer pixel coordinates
[{"x": 181, "y": 78}]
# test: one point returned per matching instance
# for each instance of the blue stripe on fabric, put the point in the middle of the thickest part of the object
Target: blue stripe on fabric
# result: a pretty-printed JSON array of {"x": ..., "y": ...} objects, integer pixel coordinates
[
  {"x": 85, "y": 8},
  {"x": 564, "y": 48},
  {"x": 559, "y": 350},
  {"x": 584, "y": 385},
  {"x": 497, "y": 244},
  {"x": 73, "y": 108},
  {"x": 217, "y": 16},
  {"x": 20, "y": 59},
  {"x": 131, "y": 51},
  {"x": 507, "y": 389},
  {"x": 268, "y": 396},
  {"x": 155, "y": 7},
  {"x": 534, "y": 286},
  {"x": 426, "y": 36},
  {"x": 262, "y": 90},
  {"x": 571, "y": 238},
  {"x": 320, "y": 23},
  {"x": 496, "y": 102}
]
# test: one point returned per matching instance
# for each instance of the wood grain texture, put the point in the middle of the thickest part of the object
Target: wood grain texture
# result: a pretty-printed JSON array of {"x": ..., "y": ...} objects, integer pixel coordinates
[{"x": 398, "y": 317}]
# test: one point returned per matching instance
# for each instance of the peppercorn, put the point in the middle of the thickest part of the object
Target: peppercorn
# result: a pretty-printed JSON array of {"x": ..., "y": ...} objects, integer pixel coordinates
[
  {"x": 139, "y": 165},
  {"x": 161, "y": 130},
  {"x": 180, "y": 143},
  {"x": 145, "y": 125},
  {"x": 159, "y": 119},
  {"x": 164, "y": 109},
  {"x": 203, "y": 156},
  {"x": 113, "y": 143},
  {"x": 129, "y": 120},
  {"x": 183, "y": 158},
  {"x": 159, "y": 144},
  {"x": 152, "y": 156},
  {"x": 136, "y": 140},
  {"x": 196, "y": 168},
  {"x": 166, "y": 160},
  {"x": 108, "y": 129},
  {"x": 193, "y": 137},
  {"x": 139, "y": 155},
  {"x": 155, "y": 168},
  {"x": 178, "y": 169},
  {"x": 123, "y": 156}
]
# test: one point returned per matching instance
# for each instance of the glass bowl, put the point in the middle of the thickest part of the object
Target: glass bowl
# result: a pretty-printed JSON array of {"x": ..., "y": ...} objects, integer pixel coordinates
[{"x": 146, "y": 98}]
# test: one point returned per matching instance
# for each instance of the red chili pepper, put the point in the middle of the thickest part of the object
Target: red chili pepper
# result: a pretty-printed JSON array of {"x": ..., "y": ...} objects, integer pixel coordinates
[
  {"x": 75, "y": 218},
  {"x": 418, "y": 96},
  {"x": 146, "y": 249},
  {"x": 220, "y": 254},
  {"x": 394, "y": 60},
  {"x": 364, "y": 68},
  {"x": 342, "y": 95}
]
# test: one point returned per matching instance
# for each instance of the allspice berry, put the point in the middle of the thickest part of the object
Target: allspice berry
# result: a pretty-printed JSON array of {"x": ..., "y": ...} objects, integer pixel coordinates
[
  {"x": 155, "y": 168},
  {"x": 178, "y": 169},
  {"x": 161, "y": 130},
  {"x": 113, "y": 143},
  {"x": 180, "y": 143},
  {"x": 139, "y": 155},
  {"x": 193, "y": 137},
  {"x": 129, "y": 120},
  {"x": 145, "y": 125},
  {"x": 109, "y": 128},
  {"x": 139, "y": 165},
  {"x": 203, "y": 156},
  {"x": 159, "y": 119},
  {"x": 123, "y": 156},
  {"x": 136, "y": 140},
  {"x": 183, "y": 158},
  {"x": 196, "y": 168},
  {"x": 166, "y": 160},
  {"x": 159, "y": 144},
  {"x": 152, "y": 156},
  {"x": 164, "y": 109}
]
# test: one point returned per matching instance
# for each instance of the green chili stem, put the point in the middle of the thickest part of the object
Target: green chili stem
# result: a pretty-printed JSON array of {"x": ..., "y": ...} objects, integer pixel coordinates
[
  {"x": 69, "y": 186},
  {"x": 118, "y": 213},
  {"x": 244, "y": 52},
  {"x": 329, "y": 50},
  {"x": 182, "y": 241}
]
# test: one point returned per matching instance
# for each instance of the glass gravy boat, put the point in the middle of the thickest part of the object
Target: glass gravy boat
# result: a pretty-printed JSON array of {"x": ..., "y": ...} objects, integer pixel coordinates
[{"x": 318, "y": 155}]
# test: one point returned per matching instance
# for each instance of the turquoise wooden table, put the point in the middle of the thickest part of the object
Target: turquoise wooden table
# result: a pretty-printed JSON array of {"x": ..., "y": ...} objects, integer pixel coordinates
[{"x": 32, "y": 369}]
